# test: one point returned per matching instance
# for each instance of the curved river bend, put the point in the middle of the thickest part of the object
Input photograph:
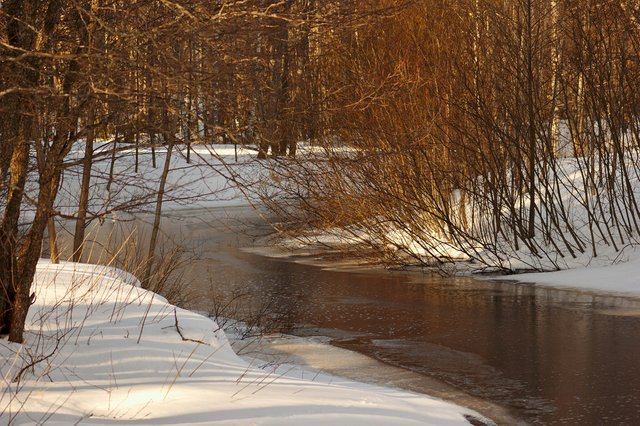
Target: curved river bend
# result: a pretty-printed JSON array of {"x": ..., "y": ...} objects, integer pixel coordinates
[{"x": 547, "y": 356}]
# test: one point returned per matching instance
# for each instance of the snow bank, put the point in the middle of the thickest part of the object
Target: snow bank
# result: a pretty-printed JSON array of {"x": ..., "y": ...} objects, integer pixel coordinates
[
  {"x": 623, "y": 278},
  {"x": 102, "y": 351},
  {"x": 205, "y": 181}
]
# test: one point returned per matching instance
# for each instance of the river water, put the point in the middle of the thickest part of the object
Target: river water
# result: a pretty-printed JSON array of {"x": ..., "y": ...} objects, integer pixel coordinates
[{"x": 529, "y": 354}]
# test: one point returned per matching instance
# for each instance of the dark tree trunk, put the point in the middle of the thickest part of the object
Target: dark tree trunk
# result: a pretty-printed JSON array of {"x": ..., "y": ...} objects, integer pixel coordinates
[{"x": 83, "y": 205}]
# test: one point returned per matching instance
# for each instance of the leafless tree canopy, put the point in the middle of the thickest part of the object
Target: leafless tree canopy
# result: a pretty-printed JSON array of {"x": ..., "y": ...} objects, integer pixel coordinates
[
  {"x": 141, "y": 74},
  {"x": 501, "y": 129}
]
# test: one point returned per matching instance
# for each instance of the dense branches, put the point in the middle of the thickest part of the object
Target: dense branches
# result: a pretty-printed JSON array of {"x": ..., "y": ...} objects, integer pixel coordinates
[
  {"x": 506, "y": 132},
  {"x": 502, "y": 131},
  {"x": 139, "y": 74}
]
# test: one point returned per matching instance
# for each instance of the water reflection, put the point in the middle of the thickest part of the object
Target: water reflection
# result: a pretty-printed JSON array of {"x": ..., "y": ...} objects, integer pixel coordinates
[{"x": 551, "y": 356}]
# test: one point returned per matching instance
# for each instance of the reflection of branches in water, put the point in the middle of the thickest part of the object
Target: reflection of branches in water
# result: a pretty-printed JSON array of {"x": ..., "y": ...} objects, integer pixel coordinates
[
  {"x": 249, "y": 317},
  {"x": 122, "y": 244},
  {"x": 189, "y": 237},
  {"x": 244, "y": 225}
]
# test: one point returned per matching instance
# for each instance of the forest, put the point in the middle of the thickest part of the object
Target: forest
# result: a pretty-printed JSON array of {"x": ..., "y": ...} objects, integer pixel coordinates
[{"x": 505, "y": 133}]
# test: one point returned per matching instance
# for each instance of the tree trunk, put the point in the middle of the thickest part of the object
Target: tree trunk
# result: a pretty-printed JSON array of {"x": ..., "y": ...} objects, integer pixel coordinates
[
  {"x": 9, "y": 227},
  {"x": 531, "y": 117},
  {"x": 83, "y": 205},
  {"x": 29, "y": 251},
  {"x": 54, "y": 253},
  {"x": 158, "y": 213}
]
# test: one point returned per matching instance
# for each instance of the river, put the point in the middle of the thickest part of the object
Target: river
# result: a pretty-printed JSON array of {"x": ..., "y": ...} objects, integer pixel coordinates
[{"x": 520, "y": 354}]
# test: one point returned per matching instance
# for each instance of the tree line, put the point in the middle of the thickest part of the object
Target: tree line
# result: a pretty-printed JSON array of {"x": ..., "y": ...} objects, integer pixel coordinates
[
  {"x": 506, "y": 132},
  {"x": 500, "y": 129},
  {"x": 140, "y": 75}
]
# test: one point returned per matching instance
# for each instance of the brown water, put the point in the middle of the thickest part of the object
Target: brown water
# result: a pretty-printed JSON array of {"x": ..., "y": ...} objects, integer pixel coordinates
[{"x": 548, "y": 356}]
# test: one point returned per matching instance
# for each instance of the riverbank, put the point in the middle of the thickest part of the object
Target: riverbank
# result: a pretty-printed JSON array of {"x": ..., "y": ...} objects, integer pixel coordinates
[
  {"x": 319, "y": 355},
  {"x": 101, "y": 350},
  {"x": 616, "y": 276},
  {"x": 470, "y": 353},
  {"x": 210, "y": 181},
  {"x": 617, "y": 279}
]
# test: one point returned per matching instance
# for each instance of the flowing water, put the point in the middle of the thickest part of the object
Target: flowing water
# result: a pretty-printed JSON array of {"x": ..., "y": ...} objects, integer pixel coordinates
[{"x": 544, "y": 356}]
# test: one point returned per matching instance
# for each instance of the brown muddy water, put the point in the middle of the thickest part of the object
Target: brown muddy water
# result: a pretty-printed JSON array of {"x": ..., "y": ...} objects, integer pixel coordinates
[{"x": 517, "y": 353}]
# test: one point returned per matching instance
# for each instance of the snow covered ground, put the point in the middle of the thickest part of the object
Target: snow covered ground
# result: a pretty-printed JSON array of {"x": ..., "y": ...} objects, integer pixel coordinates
[
  {"x": 101, "y": 350},
  {"x": 205, "y": 181},
  {"x": 617, "y": 273},
  {"x": 621, "y": 278},
  {"x": 105, "y": 351}
]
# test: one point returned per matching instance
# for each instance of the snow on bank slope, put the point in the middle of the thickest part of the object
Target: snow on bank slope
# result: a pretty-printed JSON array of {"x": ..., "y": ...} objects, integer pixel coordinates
[
  {"x": 621, "y": 278},
  {"x": 105, "y": 351},
  {"x": 205, "y": 181}
]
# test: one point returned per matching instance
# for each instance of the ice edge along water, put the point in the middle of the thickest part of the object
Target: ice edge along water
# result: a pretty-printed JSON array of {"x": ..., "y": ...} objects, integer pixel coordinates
[{"x": 105, "y": 351}]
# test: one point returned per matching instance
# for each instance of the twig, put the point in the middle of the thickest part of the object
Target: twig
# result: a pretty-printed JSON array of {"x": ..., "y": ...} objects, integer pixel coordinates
[
  {"x": 34, "y": 363},
  {"x": 185, "y": 339},
  {"x": 144, "y": 318}
]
